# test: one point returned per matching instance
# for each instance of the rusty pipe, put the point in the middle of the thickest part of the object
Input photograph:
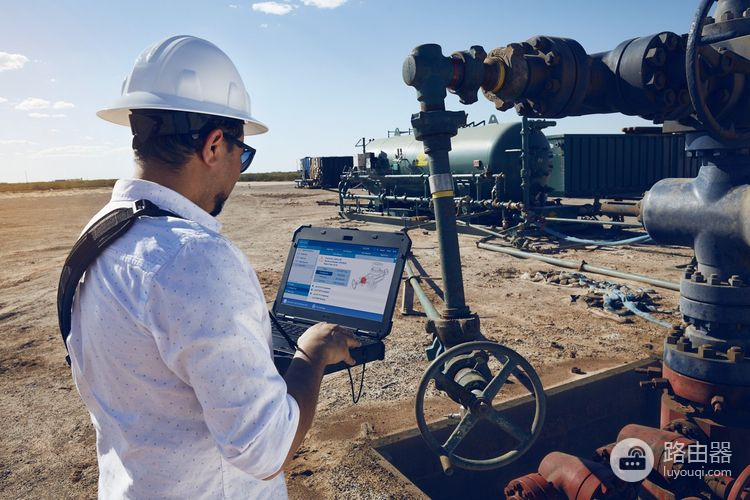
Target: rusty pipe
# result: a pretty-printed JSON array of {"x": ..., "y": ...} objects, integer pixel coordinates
[
  {"x": 657, "y": 440},
  {"x": 582, "y": 479}
]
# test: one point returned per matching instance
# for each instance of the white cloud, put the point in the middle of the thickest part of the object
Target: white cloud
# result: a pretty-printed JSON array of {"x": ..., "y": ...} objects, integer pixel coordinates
[
  {"x": 12, "y": 61},
  {"x": 36, "y": 104},
  {"x": 233, "y": 6},
  {"x": 264, "y": 25},
  {"x": 324, "y": 4},
  {"x": 276, "y": 8},
  {"x": 46, "y": 115},
  {"x": 3, "y": 99},
  {"x": 16, "y": 142},
  {"x": 63, "y": 105},
  {"x": 33, "y": 103},
  {"x": 77, "y": 151}
]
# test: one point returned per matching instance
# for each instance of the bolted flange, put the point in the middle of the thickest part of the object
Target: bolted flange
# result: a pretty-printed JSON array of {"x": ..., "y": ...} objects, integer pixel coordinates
[{"x": 452, "y": 332}]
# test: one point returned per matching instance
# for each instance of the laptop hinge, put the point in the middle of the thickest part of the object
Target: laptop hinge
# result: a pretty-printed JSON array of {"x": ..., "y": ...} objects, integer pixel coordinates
[{"x": 295, "y": 319}]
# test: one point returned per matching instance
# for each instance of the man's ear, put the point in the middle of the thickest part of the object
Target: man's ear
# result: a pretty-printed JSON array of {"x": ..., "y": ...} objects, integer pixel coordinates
[{"x": 211, "y": 147}]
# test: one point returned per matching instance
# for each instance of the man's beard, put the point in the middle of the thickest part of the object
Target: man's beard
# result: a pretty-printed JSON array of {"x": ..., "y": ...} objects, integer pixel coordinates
[{"x": 218, "y": 204}]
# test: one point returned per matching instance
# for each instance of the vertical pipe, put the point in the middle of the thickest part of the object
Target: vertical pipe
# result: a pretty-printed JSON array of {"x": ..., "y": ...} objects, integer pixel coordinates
[
  {"x": 525, "y": 170},
  {"x": 437, "y": 147}
]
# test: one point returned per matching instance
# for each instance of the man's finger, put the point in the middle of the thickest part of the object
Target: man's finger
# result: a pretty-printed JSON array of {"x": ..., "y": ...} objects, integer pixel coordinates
[{"x": 352, "y": 342}]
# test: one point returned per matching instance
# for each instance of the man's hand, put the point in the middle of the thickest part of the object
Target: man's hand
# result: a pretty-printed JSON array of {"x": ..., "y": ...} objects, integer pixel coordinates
[{"x": 327, "y": 344}]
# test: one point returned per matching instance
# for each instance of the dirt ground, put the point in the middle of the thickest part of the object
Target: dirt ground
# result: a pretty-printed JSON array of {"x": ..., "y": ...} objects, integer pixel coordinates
[{"x": 47, "y": 449}]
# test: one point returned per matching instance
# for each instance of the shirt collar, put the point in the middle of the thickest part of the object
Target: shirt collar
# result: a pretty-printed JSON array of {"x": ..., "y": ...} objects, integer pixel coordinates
[{"x": 165, "y": 198}]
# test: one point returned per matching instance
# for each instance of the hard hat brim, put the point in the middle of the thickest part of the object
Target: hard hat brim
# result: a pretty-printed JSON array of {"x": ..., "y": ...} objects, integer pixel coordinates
[{"x": 119, "y": 112}]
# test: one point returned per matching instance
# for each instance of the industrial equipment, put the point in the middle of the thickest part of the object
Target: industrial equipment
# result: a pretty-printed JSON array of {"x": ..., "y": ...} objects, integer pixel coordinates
[
  {"x": 322, "y": 171},
  {"x": 616, "y": 165},
  {"x": 487, "y": 163},
  {"x": 694, "y": 83}
]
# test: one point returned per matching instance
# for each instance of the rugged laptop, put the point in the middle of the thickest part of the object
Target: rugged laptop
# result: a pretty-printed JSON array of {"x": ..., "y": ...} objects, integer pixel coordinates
[{"x": 344, "y": 276}]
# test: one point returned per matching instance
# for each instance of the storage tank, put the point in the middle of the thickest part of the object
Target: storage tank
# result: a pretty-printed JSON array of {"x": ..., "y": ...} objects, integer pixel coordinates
[{"x": 492, "y": 148}]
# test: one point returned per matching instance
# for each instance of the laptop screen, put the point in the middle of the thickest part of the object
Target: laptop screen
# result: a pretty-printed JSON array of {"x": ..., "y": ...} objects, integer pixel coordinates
[{"x": 347, "y": 279}]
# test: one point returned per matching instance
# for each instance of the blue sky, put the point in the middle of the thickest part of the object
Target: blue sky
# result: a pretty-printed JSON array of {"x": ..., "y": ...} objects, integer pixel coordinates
[{"x": 321, "y": 73}]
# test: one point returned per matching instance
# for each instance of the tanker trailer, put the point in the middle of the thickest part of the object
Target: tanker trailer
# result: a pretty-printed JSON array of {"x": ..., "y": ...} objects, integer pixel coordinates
[{"x": 486, "y": 167}]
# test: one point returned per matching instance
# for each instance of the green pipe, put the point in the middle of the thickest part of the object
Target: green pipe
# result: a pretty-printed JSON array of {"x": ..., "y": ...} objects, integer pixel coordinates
[
  {"x": 581, "y": 266},
  {"x": 427, "y": 306}
]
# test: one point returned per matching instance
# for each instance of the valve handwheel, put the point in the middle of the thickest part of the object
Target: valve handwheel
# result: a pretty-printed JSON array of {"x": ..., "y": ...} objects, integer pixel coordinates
[
  {"x": 477, "y": 405},
  {"x": 692, "y": 73}
]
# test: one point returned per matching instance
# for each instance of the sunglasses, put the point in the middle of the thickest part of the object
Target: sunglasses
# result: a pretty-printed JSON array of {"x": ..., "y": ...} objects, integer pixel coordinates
[{"x": 248, "y": 153}]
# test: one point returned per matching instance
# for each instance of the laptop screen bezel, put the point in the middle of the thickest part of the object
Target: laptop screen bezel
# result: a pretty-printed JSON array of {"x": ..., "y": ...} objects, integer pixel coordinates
[{"x": 397, "y": 240}]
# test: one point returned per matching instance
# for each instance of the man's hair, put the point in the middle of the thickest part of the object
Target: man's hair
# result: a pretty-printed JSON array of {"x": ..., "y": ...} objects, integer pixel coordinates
[{"x": 170, "y": 138}]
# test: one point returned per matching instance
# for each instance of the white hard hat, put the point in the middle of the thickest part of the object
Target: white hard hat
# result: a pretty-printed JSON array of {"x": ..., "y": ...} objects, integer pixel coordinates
[{"x": 184, "y": 73}]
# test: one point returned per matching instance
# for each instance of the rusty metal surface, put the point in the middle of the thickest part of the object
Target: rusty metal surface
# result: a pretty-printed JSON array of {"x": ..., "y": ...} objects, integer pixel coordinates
[
  {"x": 657, "y": 440},
  {"x": 700, "y": 392},
  {"x": 655, "y": 491},
  {"x": 532, "y": 487},
  {"x": 734, "y": 427},
  {"x": 741, "y": 488},
  {"x": 583, "y": 479}
]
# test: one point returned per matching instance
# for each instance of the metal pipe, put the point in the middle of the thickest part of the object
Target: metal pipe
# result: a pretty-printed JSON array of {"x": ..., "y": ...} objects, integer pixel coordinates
[
  {"x": 644, "y": 238},
  {"x": 595, "y": 222},
  {"x": 498, "y": 234},
  {"x": 437, "y": 147},
  {"x": 525, "y": 167},
  {"x": 620, "y": 208},
  {"x": 416, "y": 176},
  {"x": 581, "y": 266},
  {"x": 413, "y": 280}
]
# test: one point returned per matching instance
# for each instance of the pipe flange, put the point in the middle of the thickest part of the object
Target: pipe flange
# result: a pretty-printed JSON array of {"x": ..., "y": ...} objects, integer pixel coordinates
[
  {"x": 715, "y": 313},
  {"x": 730, "y": 293},
  {"x": 472, "y": 61},
  {"x": 452, "y": 332},
  {"x": 706, "y": 365}
]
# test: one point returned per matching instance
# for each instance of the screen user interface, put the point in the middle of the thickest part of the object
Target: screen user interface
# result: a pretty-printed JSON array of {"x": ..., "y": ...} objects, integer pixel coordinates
[{"x": 348, "y": 279}]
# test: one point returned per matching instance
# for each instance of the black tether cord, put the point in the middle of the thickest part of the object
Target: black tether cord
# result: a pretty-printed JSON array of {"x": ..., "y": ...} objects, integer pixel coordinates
[{"x": 361, "y": 383}]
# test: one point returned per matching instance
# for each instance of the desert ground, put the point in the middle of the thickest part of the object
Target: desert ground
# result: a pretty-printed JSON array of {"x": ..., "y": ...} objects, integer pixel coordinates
[{"x": 47, "y": 449}]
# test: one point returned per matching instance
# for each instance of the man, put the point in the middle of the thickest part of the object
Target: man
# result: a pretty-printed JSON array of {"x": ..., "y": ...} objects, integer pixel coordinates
[{"x": 170, "y": 340}]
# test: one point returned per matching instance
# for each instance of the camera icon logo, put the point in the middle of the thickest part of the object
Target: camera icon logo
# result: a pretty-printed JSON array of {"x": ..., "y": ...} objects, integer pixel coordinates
[
  {"x": 636, "y": 459},
  {"x": 631, "y": 460}
]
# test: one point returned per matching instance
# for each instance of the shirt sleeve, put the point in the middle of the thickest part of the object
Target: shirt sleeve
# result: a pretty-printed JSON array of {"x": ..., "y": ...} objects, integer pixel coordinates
[{"x": 210, "y": 322}]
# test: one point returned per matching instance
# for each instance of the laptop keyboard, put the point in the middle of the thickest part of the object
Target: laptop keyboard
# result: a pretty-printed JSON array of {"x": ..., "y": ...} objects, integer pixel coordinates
[{"x": 295, "y": 330}]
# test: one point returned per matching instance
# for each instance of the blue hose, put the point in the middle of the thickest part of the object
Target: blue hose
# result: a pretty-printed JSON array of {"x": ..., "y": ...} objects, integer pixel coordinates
[
  {"x": 615, "y": 294},
  {"x": 572, "y": 239}
]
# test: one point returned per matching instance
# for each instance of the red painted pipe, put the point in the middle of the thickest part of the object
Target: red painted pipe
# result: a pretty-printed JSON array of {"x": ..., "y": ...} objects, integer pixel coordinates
[
  {"x": 741, "y": 488},
  {"x": 657, "y": 439},
  {"x": 581, "y": 479},
  {"x": 655, "y": 491},
  {"x": 532, "y": 487}
]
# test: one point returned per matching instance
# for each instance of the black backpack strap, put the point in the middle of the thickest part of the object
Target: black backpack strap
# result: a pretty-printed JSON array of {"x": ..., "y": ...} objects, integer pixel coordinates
[{"x": 88, "y": 247}]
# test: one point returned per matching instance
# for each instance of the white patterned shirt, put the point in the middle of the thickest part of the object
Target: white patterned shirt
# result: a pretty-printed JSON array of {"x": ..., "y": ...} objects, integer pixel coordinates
[{"x": 171, "y": 351}]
